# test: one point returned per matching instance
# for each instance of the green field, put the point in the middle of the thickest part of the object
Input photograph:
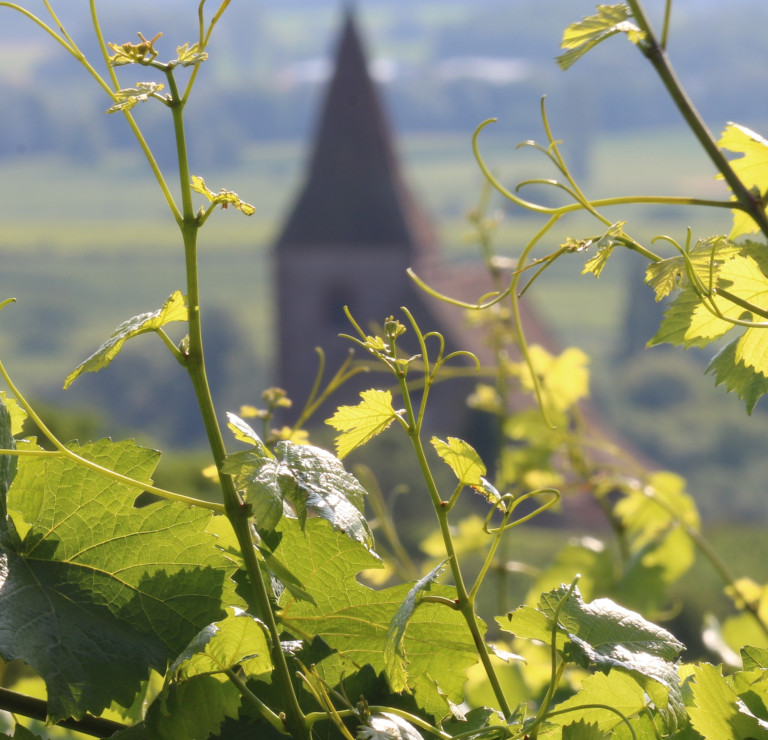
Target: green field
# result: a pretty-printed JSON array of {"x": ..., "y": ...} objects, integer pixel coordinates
[{"x": 85, "y": 247}]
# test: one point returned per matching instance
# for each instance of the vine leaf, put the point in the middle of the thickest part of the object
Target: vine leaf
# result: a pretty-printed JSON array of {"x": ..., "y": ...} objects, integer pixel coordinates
[
  {"x": 652, "y": 516},
  {"x": 387, "y": 726},
  {"x": 587, "y": 33},
  {"x": 462, "y": 459},
  {"x": 174, "y": 309},
  {"x": 97, "y": 591},
  {"x": 582, "y": 731},
  {"x": 304, "y": 479},
  {"x": 691, "y": 321},
  {"x": 237, "y": 640},
  {"x": 715, "y": 709},
  {"x": 604, "y": 247},
  {"x": 223, "y": 198},
  {"x": 671, "y": 274},
  {"x": 563, "y": 378},
  {"x": 751, "y": 169},
  {"x": 128, "y": 97},
  {"x": 617, "y": 690},
  {"x": 394, "y": 648},
  {"x": 606, "y": 635},
  {"x": 187, "y": 55},
  {"x": 361, "y": 423},
  {"x": 193, "y": 709},
  {"x": 355, "y": 620}
]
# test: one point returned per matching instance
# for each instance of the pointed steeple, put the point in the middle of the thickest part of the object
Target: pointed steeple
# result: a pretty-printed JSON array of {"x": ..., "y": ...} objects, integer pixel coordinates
[{"x": 354, "y": 196}]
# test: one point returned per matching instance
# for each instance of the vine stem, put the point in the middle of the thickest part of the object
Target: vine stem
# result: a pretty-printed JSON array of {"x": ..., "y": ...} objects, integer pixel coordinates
[
  {"x": 237, "y": 511},
  {"x": 465, "y": 603},
  {"x": 655, "y": 52}
]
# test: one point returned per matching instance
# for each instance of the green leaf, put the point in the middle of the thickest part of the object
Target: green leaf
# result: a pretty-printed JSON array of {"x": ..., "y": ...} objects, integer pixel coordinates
[
  {"x": 355, "y": 620},
  {"x": 394, "y": 649},
  {"x": 748, "y": 384},
  {"x": 17, "y": 414},
  {"x": 653, "y": 518},
  {"x": 264, "y": 483},
  {"x": 604, "y": 246},
  {"x": 193, "y": 709},
  {"x": 714, "y": 709},
  {"x": 387, "y": 726},
  {"x": 306, "y": 479},
  {"x": 244, "y": 433},
  {"x": 237, "y": 640},
  {"x": 675, "y": 326},
  {"x": 582, "y": 731},
  {"x": 751, "y": 169},
  {"x": 745, "y": 279},
  {"x": 99, "y": 591},
  {"x": 462, "y": 459},
  {"x": 603, "y": 634},
  {"x": 223, "y": 198},
  {"x": 174, "y": 309},
  {"x": 325, "y": 489},
  {"x": 128, "y": 97},
  {"x": 188, "y": 56},
  {"x": 563, "y": 378},
  {"x": 587, "y": 33},
  {"x": 358, "y": 424},
  {"x": 704, "y": 258},
  {"x": 617, "y": 690},
  {"x": 753, "y": 657}
]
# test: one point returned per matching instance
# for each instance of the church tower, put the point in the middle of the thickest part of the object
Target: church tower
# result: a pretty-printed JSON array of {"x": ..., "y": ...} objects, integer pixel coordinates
[{"x": 352, "y": 232}]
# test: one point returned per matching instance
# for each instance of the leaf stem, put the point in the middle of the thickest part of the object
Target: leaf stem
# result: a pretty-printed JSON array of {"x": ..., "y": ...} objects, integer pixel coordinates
[
  {"x": 262, "y": 708},
  {"x": 62, "y": 449}
]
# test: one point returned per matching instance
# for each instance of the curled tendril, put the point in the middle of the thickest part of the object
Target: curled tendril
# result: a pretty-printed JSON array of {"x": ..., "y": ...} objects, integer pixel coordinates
[{"x": 508, "y": 503}]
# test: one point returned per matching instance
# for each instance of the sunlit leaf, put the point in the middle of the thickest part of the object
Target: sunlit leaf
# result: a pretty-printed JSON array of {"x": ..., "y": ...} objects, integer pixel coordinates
[
  {"x": 563, "y": 378},
  {"x": 223, "y": 198},
  {"x": 187, "y": 55},
  {"x": 603, "y": 634},
  {"x": 361, "y": 423},
  {"x": 714, "y": 708},
  {"x": 355, "y": 619},
  {"x": 603, "y": 248},
  {"x": 307, "y": 480},
  {"x": 387, "y": 726},
  {"x": 616, "y": 690},
  {"x": 587, "y": 33},
  {"x": 751, "y": 169},
  {"x": 237, "y": 640},
  {"x": 395, "y": 657},
  {"x": 112, "y": 590},
  {"x": 174, "y": 309},
  {"x": 704, "y": 258},
  {"x": 748, "y": 384},
  {"x": 462, "y": 459},
  {"x": 193, "y": 709},
  {"x": 128, "y": 97}
]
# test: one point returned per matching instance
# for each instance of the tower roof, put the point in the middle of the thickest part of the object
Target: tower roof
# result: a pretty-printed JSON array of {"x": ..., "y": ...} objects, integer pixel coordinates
[{"x": 354, "y": 195}]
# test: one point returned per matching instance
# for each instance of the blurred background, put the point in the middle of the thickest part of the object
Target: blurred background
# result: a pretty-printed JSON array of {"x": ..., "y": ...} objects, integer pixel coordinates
[{"x": 86, "y": 241}]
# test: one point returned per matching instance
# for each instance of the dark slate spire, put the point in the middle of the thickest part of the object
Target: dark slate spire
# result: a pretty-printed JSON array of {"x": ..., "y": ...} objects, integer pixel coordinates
[{"x": 354, "y": 196}]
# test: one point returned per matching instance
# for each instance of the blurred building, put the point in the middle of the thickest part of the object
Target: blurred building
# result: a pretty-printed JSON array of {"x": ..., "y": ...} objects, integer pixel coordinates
[{"x": 352, "y": 233}]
